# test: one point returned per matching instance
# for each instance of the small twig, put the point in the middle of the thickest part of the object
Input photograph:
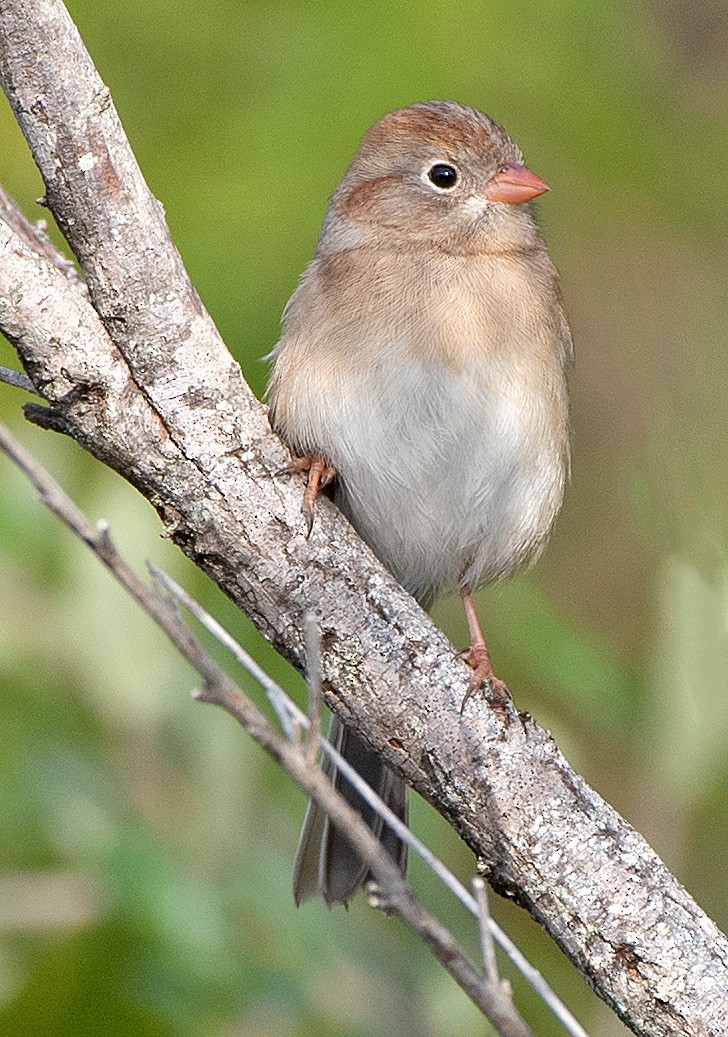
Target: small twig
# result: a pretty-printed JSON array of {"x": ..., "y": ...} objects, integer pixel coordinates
[
  {"x": 487, "y": 947},
  {"x": 312, "y": 642},
  {"x": 290, "y": 717},
  {"x": 35, "y": 235},
  {"x": 17, "y": 379},
  {"x": 220, "y": 690}
]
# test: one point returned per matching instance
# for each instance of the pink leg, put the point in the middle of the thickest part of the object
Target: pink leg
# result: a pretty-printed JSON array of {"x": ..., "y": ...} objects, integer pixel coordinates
[{"x": 478, "y": 656}]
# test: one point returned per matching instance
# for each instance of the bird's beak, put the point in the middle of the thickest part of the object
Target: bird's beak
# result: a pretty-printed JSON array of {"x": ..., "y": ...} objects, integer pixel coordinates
[{"x": 514, "y": 185}]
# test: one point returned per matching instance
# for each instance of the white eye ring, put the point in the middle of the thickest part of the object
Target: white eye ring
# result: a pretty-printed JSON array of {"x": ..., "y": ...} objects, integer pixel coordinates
[{"x": 443, "y": 176}]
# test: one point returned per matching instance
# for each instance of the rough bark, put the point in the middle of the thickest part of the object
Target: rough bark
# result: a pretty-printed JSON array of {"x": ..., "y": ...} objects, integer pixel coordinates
[{"x": 137, "y": 373}]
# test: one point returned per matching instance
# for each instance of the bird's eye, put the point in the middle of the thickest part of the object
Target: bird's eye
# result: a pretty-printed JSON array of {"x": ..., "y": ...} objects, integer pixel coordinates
[{"x": 443, "y": 176}]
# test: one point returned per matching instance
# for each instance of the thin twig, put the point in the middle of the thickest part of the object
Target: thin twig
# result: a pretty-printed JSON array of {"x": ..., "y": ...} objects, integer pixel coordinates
[
  {"x": 35, "y": 236},
  {"x": 17, "y": 379},
  {"x": 487, "y": 947},
  {"x": 220, "y": 690},
  {"x": 290, "y": 717},
  {"x": 312, "y": 643}
]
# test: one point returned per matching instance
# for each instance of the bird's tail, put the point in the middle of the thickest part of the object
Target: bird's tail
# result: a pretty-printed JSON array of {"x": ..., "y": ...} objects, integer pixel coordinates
[{"x": 326, "y": 864}]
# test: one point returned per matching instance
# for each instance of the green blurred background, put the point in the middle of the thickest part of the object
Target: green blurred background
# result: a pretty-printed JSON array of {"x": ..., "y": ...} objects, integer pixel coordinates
[{"x": 145, "y": 843}]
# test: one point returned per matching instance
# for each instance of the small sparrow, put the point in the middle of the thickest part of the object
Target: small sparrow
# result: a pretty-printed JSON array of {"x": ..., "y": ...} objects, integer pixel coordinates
[{"x": 423, "y": 365}]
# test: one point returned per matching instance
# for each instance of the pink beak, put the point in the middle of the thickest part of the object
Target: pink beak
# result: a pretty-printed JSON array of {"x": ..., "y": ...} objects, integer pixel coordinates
[{"x": 514, "y": 185}]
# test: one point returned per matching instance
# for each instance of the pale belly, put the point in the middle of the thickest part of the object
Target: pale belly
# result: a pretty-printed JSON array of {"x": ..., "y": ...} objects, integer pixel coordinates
[{"x": 451, "y": 478}]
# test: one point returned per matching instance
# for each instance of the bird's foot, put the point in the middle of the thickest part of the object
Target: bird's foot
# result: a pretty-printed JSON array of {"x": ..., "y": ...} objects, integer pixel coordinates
[
  {"x": 478, "y": 659},
  {"x": 320, "y": 474}
]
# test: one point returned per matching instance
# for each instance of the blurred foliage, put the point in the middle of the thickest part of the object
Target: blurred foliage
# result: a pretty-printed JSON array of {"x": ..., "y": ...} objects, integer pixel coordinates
[{"x": 244, "y": 116}]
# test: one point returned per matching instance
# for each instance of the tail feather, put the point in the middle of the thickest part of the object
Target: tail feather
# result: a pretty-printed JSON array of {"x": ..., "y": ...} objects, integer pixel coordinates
[{"x": 326, "y": 864}]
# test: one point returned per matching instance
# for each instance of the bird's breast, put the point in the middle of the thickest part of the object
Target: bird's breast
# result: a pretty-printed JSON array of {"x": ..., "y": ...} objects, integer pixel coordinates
[{"x": 444, "y": 411}]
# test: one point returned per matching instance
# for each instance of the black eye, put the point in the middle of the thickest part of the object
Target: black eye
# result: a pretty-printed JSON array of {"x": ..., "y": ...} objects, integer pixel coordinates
[{"x": 443, "y": 176}]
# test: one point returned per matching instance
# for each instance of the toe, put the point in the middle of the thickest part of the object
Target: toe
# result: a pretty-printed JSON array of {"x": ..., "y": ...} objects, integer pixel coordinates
[{"x": 478, "y": 659}]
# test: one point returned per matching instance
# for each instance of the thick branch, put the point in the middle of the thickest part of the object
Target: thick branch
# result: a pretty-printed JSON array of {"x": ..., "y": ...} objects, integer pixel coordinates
[{"x": 157, "y": 396}]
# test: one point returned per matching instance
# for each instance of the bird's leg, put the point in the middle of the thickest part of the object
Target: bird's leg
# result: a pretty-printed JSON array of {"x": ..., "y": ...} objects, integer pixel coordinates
[
  {"x": 320, "y": 474},
  {"x": 478, "y": 656}
]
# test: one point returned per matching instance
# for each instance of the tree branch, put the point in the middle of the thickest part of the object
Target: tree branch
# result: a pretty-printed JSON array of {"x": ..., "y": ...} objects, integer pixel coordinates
[
  {"x": 144, "y": 383},
  {"x": 484, "y": 989}
]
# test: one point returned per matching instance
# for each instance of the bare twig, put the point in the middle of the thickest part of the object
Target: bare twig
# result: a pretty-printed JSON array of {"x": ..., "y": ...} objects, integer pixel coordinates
[
  {"x": 487, "y": 947},
  {"x": 220, "y": 690},
  {"x": 290, "y": 717},
  {"x": 312, "y": 641},
  {"x": 35, "y": 237},
  {"x": 17, "y": 379}
]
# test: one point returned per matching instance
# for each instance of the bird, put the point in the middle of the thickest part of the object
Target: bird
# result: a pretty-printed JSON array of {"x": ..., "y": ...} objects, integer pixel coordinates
[{"x": 423, "y": 371}]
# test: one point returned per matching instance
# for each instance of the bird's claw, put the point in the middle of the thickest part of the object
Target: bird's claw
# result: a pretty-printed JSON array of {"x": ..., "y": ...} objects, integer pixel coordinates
[
  {"x": 478, "y": 659},
  {"x": 320, "y": 474}
]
